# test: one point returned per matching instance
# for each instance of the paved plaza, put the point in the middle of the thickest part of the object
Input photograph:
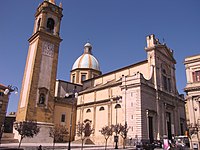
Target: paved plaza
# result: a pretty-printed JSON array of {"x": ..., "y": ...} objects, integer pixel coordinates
[
  {"x": 60, "y": 146},
  {"x": 64, "y": 146}
]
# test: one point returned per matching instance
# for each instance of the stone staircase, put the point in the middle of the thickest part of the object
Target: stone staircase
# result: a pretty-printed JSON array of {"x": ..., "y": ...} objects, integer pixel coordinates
[{"x": 8, "y": 138}]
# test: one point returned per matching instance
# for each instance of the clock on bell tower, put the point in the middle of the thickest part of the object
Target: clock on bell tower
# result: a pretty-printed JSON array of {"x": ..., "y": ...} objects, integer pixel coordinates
[{"x": 38, "y": 86}]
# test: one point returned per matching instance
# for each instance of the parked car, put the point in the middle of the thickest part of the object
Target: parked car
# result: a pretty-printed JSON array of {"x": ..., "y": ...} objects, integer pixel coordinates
[{"x": 182, "y": 141}]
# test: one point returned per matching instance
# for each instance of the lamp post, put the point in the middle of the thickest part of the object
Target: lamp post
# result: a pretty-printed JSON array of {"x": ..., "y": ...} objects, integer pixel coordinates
[
  {"x": 194, "y": 129},
  {"x": 116, "y": 127},
  {"x": 116, "y": 136},
  {"x": 74, "y": 95}
]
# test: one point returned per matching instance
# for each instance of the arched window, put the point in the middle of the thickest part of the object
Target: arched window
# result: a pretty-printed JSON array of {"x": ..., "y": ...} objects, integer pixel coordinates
[
  {"x": 101, "y": 109},
  {"x": 38, "y": 24},
  {"x": 117, "y": 106},
  {"x": 88, "y": 110},
  {"x": 42, "y": 98},
  {"x": 50, "y": 24}
]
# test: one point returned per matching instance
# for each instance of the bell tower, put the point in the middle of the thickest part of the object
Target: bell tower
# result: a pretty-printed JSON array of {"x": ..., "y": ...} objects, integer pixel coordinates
[{"x": 38, "y": 86}]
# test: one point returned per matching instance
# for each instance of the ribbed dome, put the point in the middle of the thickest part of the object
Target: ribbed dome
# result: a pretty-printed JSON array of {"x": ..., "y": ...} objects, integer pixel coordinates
[{"x": 87, "y": 60}]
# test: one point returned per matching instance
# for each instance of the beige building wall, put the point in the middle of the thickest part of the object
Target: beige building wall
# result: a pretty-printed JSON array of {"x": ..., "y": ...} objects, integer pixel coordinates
[
  {"x": 66, "y": 105},
  {"x": 192, "y": 89},
  {"x": 145, "y": 98}
]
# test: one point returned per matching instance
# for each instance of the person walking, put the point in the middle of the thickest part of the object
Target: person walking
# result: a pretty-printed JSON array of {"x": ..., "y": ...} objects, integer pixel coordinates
[{"x": 40, "y": 147}]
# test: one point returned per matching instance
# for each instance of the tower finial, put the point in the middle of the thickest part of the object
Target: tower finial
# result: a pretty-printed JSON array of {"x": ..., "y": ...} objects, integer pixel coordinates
[
  {"x": 52, "y": 1},
  {"x": 88, "y": 48},
  {"x": 60, "y": 5}
]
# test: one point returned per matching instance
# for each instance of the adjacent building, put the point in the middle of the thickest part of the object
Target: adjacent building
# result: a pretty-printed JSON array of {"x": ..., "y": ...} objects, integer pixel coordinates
[
  {"x": 3, "y": 106},
  {"x": 192, "y": 89},
  {"x": 142, "y": 95}
]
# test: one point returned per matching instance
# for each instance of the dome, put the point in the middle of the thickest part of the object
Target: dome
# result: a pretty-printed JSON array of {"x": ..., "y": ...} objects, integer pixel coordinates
[
  {"x": 87, "y": 60},
  {"x": 88, "y": 45}
]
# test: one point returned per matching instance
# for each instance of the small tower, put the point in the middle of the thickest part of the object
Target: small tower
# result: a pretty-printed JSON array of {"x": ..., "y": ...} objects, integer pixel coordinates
[
  {"x": 85, "y": 67},
  {"x": 161, "y": 57},
  {"x": 38, "y": 86}
]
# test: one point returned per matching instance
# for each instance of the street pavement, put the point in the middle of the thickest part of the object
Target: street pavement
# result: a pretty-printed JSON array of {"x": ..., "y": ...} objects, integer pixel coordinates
[
  {"x": 64, "y": 146},
  {"x": 60, "y": 146}
]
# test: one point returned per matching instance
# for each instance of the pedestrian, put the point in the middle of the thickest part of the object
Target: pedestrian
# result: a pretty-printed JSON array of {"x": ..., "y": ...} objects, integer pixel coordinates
[{"x": 40, "y": 147}]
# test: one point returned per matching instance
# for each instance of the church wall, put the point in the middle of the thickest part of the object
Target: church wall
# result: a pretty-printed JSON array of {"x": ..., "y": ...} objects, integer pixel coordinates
[
  {"x": 97, "y": 81},
  {"x": 63, "y": 87},
  {"x": 115, "y": 91},
  {"x": 102, "y": 94},
  {"x": 165, "y": 63},
  {"x": 108, "y": 78},
  {"x": 149, "y": 109},
  {"x": 80, "y": 99},
  {"x": 143, "y": 68},
  {"x": 119, "y": 74},
  {"x": 116, "y": 75},
  {"x": 182, "y": 110},
  {"x": 89, "y": 97},
  {"x": 58, "y": 111},
  {"x": 88, "y": 115},
  {"x": 101, "y": 118},
  {"x": 133, "y": 111},
  {"x": 66, "y": 110}
]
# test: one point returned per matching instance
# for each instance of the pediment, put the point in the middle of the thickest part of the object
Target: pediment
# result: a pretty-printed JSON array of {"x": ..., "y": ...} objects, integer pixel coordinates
[{"x": 167, "y": 52}]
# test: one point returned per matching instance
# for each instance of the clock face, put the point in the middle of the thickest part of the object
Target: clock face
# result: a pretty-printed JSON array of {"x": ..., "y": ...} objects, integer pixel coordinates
[{"x": 48, "y": 49}]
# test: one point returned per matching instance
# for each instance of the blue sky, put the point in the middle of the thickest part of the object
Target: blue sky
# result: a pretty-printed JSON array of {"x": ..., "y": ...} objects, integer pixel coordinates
[{"x": 116, "y": 28}]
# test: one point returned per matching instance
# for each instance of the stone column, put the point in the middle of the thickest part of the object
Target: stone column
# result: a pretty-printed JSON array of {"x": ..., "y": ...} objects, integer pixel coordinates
[
  {"x": 43, "y": 21},
  {"x": 57, "y": 30}
]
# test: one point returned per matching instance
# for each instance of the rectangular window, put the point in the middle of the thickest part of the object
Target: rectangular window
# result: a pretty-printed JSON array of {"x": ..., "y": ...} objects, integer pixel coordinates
[
  {"x": 73, "y": 78},
  {"x": 63, "y": 118},
  {"x": 169, "y": 85},
  {"x": 94, "y": 75},
  {"x": 83, "y": 77},
  {"x": 196, "y": 76},
  {"x": 131, "y": 104},
  {"x": 131, "y": 94},
  {"x": 164, "y": 82}
]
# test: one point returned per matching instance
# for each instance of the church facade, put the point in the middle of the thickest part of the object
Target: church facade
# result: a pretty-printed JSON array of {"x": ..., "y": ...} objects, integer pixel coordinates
[{"x": 142, "y": 95}]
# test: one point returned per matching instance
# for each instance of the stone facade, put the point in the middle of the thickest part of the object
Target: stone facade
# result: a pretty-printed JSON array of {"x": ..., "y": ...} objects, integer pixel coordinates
[
  {"x": 143, "y": 95},
  {"x": 192, "y": 89},
  {"x": 150, "y": 103},
  {"x": 38, "y": 86}
]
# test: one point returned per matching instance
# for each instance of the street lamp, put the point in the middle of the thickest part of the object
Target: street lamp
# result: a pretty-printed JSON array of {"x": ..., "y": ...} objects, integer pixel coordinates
[
  {"x": 116, "y": 127},
  {"x": 74, "y": 96},
  {"x": 10, "y": 89},
  {"x": 194, "y": 129}
]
